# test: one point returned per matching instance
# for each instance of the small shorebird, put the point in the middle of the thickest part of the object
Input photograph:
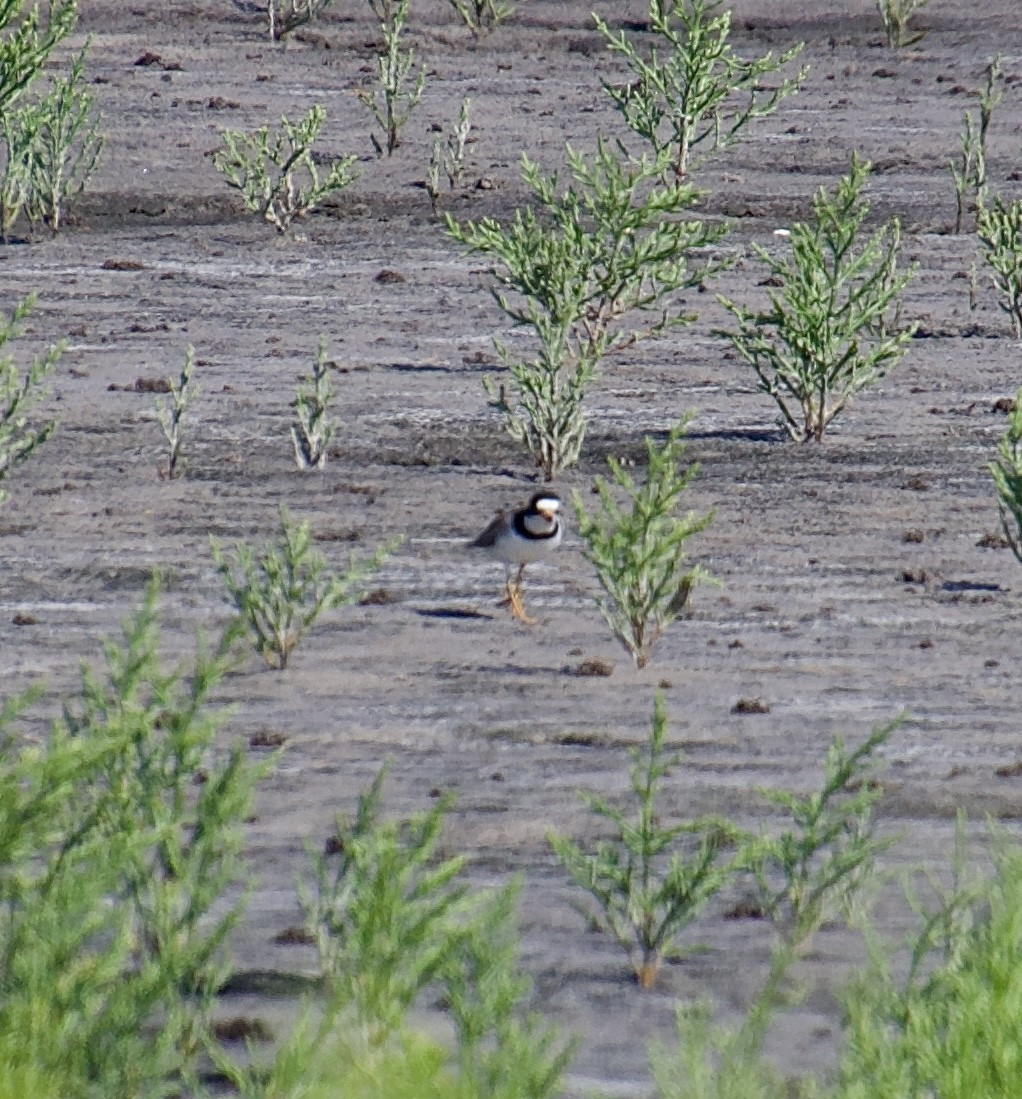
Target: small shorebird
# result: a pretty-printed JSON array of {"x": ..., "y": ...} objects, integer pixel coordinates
[{"x": 529, "y": 534}]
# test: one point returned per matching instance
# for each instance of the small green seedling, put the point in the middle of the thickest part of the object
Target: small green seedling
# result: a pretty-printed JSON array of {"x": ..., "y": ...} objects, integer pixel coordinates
[
  {"x": 392, "y": 102},
  {"x": 275, "y": 171},
  {"x": 315, "y": 427},
  {"x": 999, "y": 229},
  {"x": 482, "y": 16},
  {"x": 697, "y": 92},
  {"x": 970, "y": 179},
  {"x": 448, "y": 156},
  {"x": 639, "y": 553},
  {"x": 19, "y": 394},
  {"x": 285, "y": 16},
  {"x": 280, "y": 594},
  {"x": 19, "y": 143},
  {"x": 171, "y": 414},
  {"x": 651, "y": 879},
  {"x": 896, "y": 15},
  {"x": 1007, "y": 474},
  {"x": 833, "y": 327}
]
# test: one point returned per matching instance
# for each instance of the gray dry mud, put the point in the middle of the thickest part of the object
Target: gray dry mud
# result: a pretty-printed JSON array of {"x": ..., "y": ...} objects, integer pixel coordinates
[{"x": 826, "y": 613}]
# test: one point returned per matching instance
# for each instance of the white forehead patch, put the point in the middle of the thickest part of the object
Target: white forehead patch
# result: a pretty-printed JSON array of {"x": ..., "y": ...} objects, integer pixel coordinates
[{"x": 547, "y": 503}]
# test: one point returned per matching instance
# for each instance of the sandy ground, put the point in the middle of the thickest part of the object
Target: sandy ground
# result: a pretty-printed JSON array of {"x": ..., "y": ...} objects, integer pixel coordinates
[{"x": 828, "y": 613}]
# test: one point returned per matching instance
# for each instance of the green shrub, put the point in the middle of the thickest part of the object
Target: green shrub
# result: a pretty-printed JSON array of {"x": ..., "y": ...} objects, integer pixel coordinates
[
  {"x": 392, "y": 103},
  {"x": 117, "y": 873},
  {"x": 651, "y": 879},
  {"x": 639, "y": 554},
  {"x": 608, "y": 248},
  {"x": 171, "y": 414},
  {"x": 281, "y": 594},
  {"x": 284, "y": 16},
  {"x": 275, "y": 171},
  {"x": 833, "y": 328},
  {"x": 19, "y": 393},
  {"x": 698, "y": 92},
  {"x": 482, "y": 16},
  {"x": 314, "y": 427},
  {"x": 949, "y": 1027},
  {"x": 896, "y": 15},
  {"x": 999, "y": 228},
  {"x": 27, "y": 38},
  {"x": 971, "y": 178},
  {"x": 1007, "y": 474}
]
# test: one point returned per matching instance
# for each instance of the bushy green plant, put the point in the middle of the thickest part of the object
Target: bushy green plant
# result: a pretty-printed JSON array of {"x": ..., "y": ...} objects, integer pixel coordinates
[
  {"x": 392, "y": 102},
  {"x": 482, "y": 16},
  {"x": 66, "y": 147},
  {"x": 833, "y": 328},
  {"x": 999, "y": 229},
  {"x": 171, "y": 414},
  {"x": 949, "y": 1027},
  {"x": 639, "y": 554},
  {"x": 698, "y": 91},
  {"x": 896, "y": 15},
  {"x": 18, "y": 130},
  {"x": 118, "y": 868},
  {"x": 815, "y": 868},
  {"x": 285, "y": 16},
  {"x": 1006, "y": 471},
  {"x": 971, "y": 178},
  {"x": 315, "y": 427},
  {"x": 19, "y": 394},
  {"x": 651, "y": 879},
  {"x": 384, "y": 911},
  {"x": 27, "y": 38},
  {"x": 275, "y": 171},
  {"x": 609, "y": 247},
  {"x": 448, "y": 156},
  {"x": 280, "y": 594},
  {"x": 809, "y": 872},
  {"x": 503, "y": 1051}
]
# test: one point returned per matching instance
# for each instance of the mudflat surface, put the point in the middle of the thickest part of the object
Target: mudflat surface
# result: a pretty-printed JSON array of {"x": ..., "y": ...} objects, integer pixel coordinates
[{"x": 858, "y": 578}]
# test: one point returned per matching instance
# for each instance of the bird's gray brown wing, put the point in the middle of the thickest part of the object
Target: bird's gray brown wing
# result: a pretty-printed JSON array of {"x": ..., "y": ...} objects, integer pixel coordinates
[{"x": 488, "y": 538}]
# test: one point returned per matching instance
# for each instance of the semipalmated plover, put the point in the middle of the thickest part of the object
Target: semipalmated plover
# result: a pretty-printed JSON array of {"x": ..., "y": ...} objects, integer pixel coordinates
[{"x": 531, "y": 533}]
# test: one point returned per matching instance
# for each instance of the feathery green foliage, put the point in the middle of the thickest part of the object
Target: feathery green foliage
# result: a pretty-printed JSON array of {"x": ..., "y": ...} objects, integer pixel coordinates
[
  {"x": 639, "y": 554},
  {"x": 275, "y": 171},
  {"x": 171, "y": 414},
  {"x": 651, "y": 879},
  {"x": 285, "y": 16},
  {"x": 609, "y": 246},
  {"x": 280, "y": 594},
  {"x": 315, "y": 428},
  {"x": 833, "y": 328},
  {"x": 482, "y": 16},
  {"x": 1006, "y": 471},
  {"x": 698, "y": 92},
  {"x": 896, "y": 15},
  {"x": 950, "y": 1027},
  {"x": 999, "y": 228},
  {"x": 66, "y": 147},
  {"x": 448, "y": 156},
  {"x": 971, "y": 177},
  {"x": 115, "y": 866},
  {"x": 391, "y": 103},
  {"x": 27, "y": 38},
  {"x": 385, "y": 910},
  {"x": 503, "y": 1052},
  {"x": 19, "y": 394}
]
